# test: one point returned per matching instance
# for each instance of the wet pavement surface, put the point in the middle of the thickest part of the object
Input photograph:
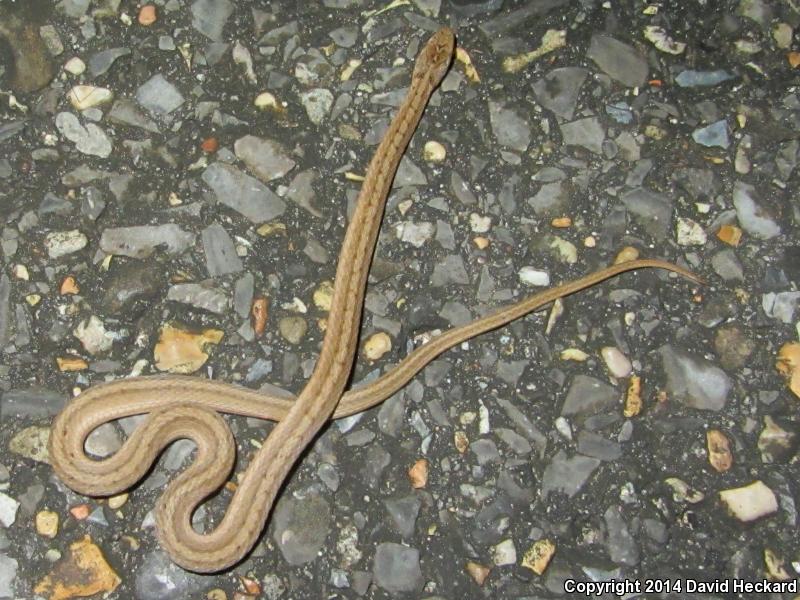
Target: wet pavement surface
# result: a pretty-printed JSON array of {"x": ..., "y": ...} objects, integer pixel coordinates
[{"x": 175, "y": 180}]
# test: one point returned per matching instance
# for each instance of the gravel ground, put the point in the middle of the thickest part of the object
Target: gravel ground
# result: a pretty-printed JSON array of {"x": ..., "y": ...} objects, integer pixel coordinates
[{"x": 167, "y": 170}]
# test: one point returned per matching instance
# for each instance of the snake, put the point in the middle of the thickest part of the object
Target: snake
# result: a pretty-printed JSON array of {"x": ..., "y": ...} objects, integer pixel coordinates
[{"x": 181, "y": 407}]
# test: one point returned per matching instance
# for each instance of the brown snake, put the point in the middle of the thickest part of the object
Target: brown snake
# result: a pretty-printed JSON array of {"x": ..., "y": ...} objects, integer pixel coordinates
[{"x": 189, "y": 407}]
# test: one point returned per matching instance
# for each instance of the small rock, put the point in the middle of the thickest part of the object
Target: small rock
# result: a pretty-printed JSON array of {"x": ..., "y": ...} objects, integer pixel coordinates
[
  {"x": 750, "y": 502},
  {"x": 690, "y": 233},
  {"x": 504, "y": 553},
  {"x": 61, "y": 243},
  {"x": 181, "y": 351},
  {"x": 87, "y": 96},
  {"x": 317, "y": 103},
  {"x": 159, "y": 96},
  {"x": 8, "y": 510},
  {"x": 396, "y": 568}
]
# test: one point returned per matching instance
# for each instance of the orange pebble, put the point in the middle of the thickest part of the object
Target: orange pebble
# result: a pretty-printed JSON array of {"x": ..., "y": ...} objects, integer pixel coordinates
[
  {"x": 209, "y": 145},
  {"x": 80, "y": 512},
  {"x": 258, "y": 315},
  {"x": 147, "y": 15},
  {"x": 69, "y": 286}
]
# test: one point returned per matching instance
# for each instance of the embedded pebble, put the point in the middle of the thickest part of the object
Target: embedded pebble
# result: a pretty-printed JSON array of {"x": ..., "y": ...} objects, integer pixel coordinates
[
  {"x": 8, "y": 574},
  {"x": 265, "y": 158},
  {"x": 690, "y": 233},
  {"x": 317, "y": 103},
  {"x": 396, "y": 568},
  {"x": 86, "y": 96},
  {"x": 200, "y": 295},
  {"x": 531, "y": 276},
  {"x": 377, "y": 345},
  {"x": 293, "y": 329},
  {"x": 750, "y": 502},
  {"x": 754, "y": 217},
  {"x": 159, "y": 96},
  {"x": 8, "y": 510},
  {"x": 89, "y": 139},
  {"x": 618, "y": 364},
  {"x": 434, "y": 152},
  {"x": 61, "y": 243},
  {"x": 244, "y": 194},
  {"x": 413, "y": 233},
  {"x": 504, "y": 553},
  {"x": 93, "y": 335},
  {"x": 142, "y": 241},
  {"x": 301, "y": 524},
  {"x": 618, "y": 60},
  {"x": 694, "y": 380}
]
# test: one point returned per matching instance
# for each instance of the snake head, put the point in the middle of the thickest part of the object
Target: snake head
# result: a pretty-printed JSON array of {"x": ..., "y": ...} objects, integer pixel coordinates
[{"x": 435, "y": 57}]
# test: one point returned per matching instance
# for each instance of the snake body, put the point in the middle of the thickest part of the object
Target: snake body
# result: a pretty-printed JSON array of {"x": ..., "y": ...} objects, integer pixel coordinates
[{"x": 189, "y": 407}]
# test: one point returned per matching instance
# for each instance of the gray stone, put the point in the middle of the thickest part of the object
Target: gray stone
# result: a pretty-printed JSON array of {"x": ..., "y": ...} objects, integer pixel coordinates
[
  {"x": 558, "y": 91},
  {"x": 450, "y": 270},
  {"x": 513, "y": 440},
  {"x": 404, "y": 512},
  {"x": 622, "y": 548},
  {"x": 596, "y": 446},
  {"x": 552, "y": 199},
  {"x": 159, "y": 96},
  {"x": 200, "y": 295},
  {"x": 317, "y": 103},
  {"x": 161, "y": 579},
  {"x": 510, "y": 128},
  {"x": 694, "y": 380},
  {"x": 754, "y": 216},
  {"x": 781, "y": 305},
  {"x": 567, "y": 475},
  {"x": 220, "y": 252},
  {"x": 588, "y": 395},
  {"x": 267, "y": 159},
  {"x": 485, "y": 451},
  {"x": 396, "y": 568},
  {"x": 301, "y": 525},
  {"x": 5, "y": 305},
  {"x": 408, "y": 173},
  {"x": 142, "y": 240},
  {"x": 8, "y": 575},
  {"x": 715, "y": 134},
  {"x": 104, "y": 441},
  {"x": 587, "y": 133},
  {"x": 727, "y": 265},
  {"x": 126, "y": 112},
  {"x": 89, "y": 139},
  {"x": 618, "y": 60},
  {"x": 652, "y": 209},
  {"x": 101, "y": 62},
  {"x": 243, "y": 295},
  {"x": 690, "y": 78},
  {"x": 243, "y": 193},
  {"x": 209, "y": 17},
  {"x": 344, "y": 37}
]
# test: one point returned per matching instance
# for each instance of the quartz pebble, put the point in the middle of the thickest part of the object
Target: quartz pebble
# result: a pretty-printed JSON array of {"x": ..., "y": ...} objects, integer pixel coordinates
[{"x": 750, "y": 502}]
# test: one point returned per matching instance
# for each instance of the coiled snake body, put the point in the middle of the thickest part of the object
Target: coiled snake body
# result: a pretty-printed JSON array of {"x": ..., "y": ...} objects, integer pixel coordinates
[{"x": 188, "y": 407}]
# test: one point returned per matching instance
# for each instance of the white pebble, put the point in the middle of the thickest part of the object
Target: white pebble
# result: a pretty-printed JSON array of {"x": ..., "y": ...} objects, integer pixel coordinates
[
  {"x": 434, "y": 152},
  {"x": 479, "y": 223},
  {"x": 75, "y": 66},
  {"x": 690, "y": 233},
  {"x": 86, "y": 96},
  {"x": 504, "y": 553},
  {"x": 617, "y": 363},
  {"x": 750, "y": 502},
  {"x": 531, "y": 276}
]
